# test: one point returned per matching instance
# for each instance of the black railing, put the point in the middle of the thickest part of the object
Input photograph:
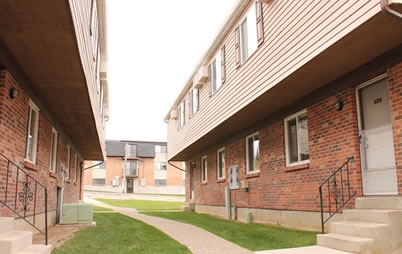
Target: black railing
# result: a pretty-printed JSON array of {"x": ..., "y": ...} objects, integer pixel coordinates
[
  {"x": 335, "y": 192},
  {"x": 23, "y": 195}
]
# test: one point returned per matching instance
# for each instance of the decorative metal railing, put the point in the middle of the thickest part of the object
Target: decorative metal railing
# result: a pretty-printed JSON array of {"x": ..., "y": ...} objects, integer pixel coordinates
[
  {"x": 22, "y": 194},
  {"x": 335, "y": 192}
]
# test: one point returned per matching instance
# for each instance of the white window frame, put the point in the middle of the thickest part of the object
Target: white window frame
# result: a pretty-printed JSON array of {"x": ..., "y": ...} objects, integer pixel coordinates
[
  {"x": 53, "y": 151},
  {"x": 248, "y": 35},
  {"x": 75, "y": 167},
  {"x": 216, "y": 73},
  {"x": 204, "y": 169},
  {"x": 194, "y": 100},
  {"x": 94, "y": 29},
  {"x": 32, "y": 135},
  {"x": 295, "y": 116},
  {"x": 180, "y": 115},
  {"x": 68, "y": 162},
  {"x": 221, "y": 167},
  {"x": 256, "y": 154}
]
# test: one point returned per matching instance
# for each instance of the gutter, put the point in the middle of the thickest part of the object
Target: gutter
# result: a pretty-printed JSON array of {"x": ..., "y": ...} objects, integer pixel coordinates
[
  {"x": 176, "y": 166},
  {"x": 386, "y": 9},
  {"x": 94, "y": 165}
]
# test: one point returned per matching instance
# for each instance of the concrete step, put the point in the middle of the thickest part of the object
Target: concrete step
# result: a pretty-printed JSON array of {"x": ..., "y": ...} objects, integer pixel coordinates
[
  {"x": 354, "y": 244},
  {"x": 6, "y": 224},
  {"x": 362, "y": 229},
  {"x": 37, "y": 249},
  {"x": 393, "y": 203},
  {"x": 373, "y": 215},
  {"x": 12, "y": 242}
]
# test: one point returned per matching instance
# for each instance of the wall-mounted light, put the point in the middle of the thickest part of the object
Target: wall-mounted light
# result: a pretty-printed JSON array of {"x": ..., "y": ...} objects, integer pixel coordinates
[
  {"x": 338, "y": 105},
  {"x": 13, "y": 93}
]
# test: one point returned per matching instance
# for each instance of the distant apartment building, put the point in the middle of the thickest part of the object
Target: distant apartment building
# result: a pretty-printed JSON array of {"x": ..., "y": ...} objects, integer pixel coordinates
[{"x": 135, "y": 167}]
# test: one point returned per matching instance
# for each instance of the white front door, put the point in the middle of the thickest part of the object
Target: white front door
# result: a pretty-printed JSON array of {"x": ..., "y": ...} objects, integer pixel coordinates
[{"x": 376, "y": 140}]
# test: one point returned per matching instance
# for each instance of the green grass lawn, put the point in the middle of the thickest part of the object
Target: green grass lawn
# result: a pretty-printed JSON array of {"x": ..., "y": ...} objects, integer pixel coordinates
[
  {"x": 116, "y": 233},
  {"x": 143, "y": 205},
  {"x": 251, "y": 236},
  {"x": 100, "y": 209}
]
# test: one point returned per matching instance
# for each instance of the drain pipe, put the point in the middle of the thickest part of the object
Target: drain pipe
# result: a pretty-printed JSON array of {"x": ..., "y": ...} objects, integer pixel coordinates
[
  {"x": 176, "y": 166},
  {"x": 94, "y": 165},
  {"x": 386, "y": 9}
]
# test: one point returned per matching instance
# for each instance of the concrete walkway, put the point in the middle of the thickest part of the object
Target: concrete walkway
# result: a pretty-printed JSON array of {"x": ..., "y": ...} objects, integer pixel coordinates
[{"x": 200, "y": 241}]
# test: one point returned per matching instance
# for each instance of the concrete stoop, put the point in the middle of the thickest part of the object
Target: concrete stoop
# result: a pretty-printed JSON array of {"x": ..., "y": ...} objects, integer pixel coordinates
[
  {"x": 18, "y": 242},
  {"x": 374, "y": 227}
]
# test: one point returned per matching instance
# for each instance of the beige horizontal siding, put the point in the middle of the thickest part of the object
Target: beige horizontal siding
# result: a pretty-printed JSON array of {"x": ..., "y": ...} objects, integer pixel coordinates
[
  {"x": 81, "y": 14},
  {"x": 295, "y": 32}
]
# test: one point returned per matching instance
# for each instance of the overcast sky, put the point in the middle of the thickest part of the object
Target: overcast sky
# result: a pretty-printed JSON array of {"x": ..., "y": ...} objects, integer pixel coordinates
[{"x": 153, "y": 46}]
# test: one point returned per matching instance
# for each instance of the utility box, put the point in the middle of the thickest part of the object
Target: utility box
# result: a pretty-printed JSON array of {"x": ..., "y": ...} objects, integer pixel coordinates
[
  {"x": 234, "y": 177},
  {"x": 79, "y": 213}
]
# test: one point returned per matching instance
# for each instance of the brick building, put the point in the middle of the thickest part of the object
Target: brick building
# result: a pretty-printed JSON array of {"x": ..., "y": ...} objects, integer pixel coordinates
[
  {"x": 287, "y": 93},
  {"x": 53, "y": 103},
  {"x": 135, "y": 167}
]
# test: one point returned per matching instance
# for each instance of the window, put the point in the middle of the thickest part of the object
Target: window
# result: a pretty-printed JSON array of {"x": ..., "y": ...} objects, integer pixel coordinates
[
  {"x": 160, "y": 149},
  {"x": 53, "y": 151},
  {"x": 249, "y": 34},
  {"x": 98, "y": 181},
  {"x": 204, "y": 169},
  {"x": 32, "y": 137},
  {"x": 216, "y": 71},
  {"x": 221, "y": 163},
  {"x": 160, "y": 182},
  {"x": 296, "y": 138},
  {"x": 160, "y": 166},
  {"x": 101, "y": 95},
  {"x": 253, "y": 153},
  {"x": 68, "y": 162},
  {"x": 193, "y": 101},
  {"x": 94, "y": 29},
  {"x": 180, "y": 115},
  {"x": 131, "y": 168},
  {"x": 75, "y": 168}
]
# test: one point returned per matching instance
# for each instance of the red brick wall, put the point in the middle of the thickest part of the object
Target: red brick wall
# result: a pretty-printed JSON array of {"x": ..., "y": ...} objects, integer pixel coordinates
[
  {"x": 13, "y": 130},
  {"x": 395, "y": 94},
  {"x": 333, "y": 136}
]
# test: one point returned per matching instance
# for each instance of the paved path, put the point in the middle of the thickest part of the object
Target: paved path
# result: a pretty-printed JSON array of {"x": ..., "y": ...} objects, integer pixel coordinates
[{"x": 200, "y": 241}]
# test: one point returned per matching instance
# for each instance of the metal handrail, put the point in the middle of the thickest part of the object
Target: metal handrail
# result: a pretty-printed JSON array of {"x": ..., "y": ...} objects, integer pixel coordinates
[
  {"x": 21, "y": 195},
  {"x": 338, "y": 189}
]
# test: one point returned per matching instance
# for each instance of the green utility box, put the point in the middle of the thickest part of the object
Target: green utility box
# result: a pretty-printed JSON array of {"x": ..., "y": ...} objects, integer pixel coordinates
[{"x": 79, "y": 213}]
